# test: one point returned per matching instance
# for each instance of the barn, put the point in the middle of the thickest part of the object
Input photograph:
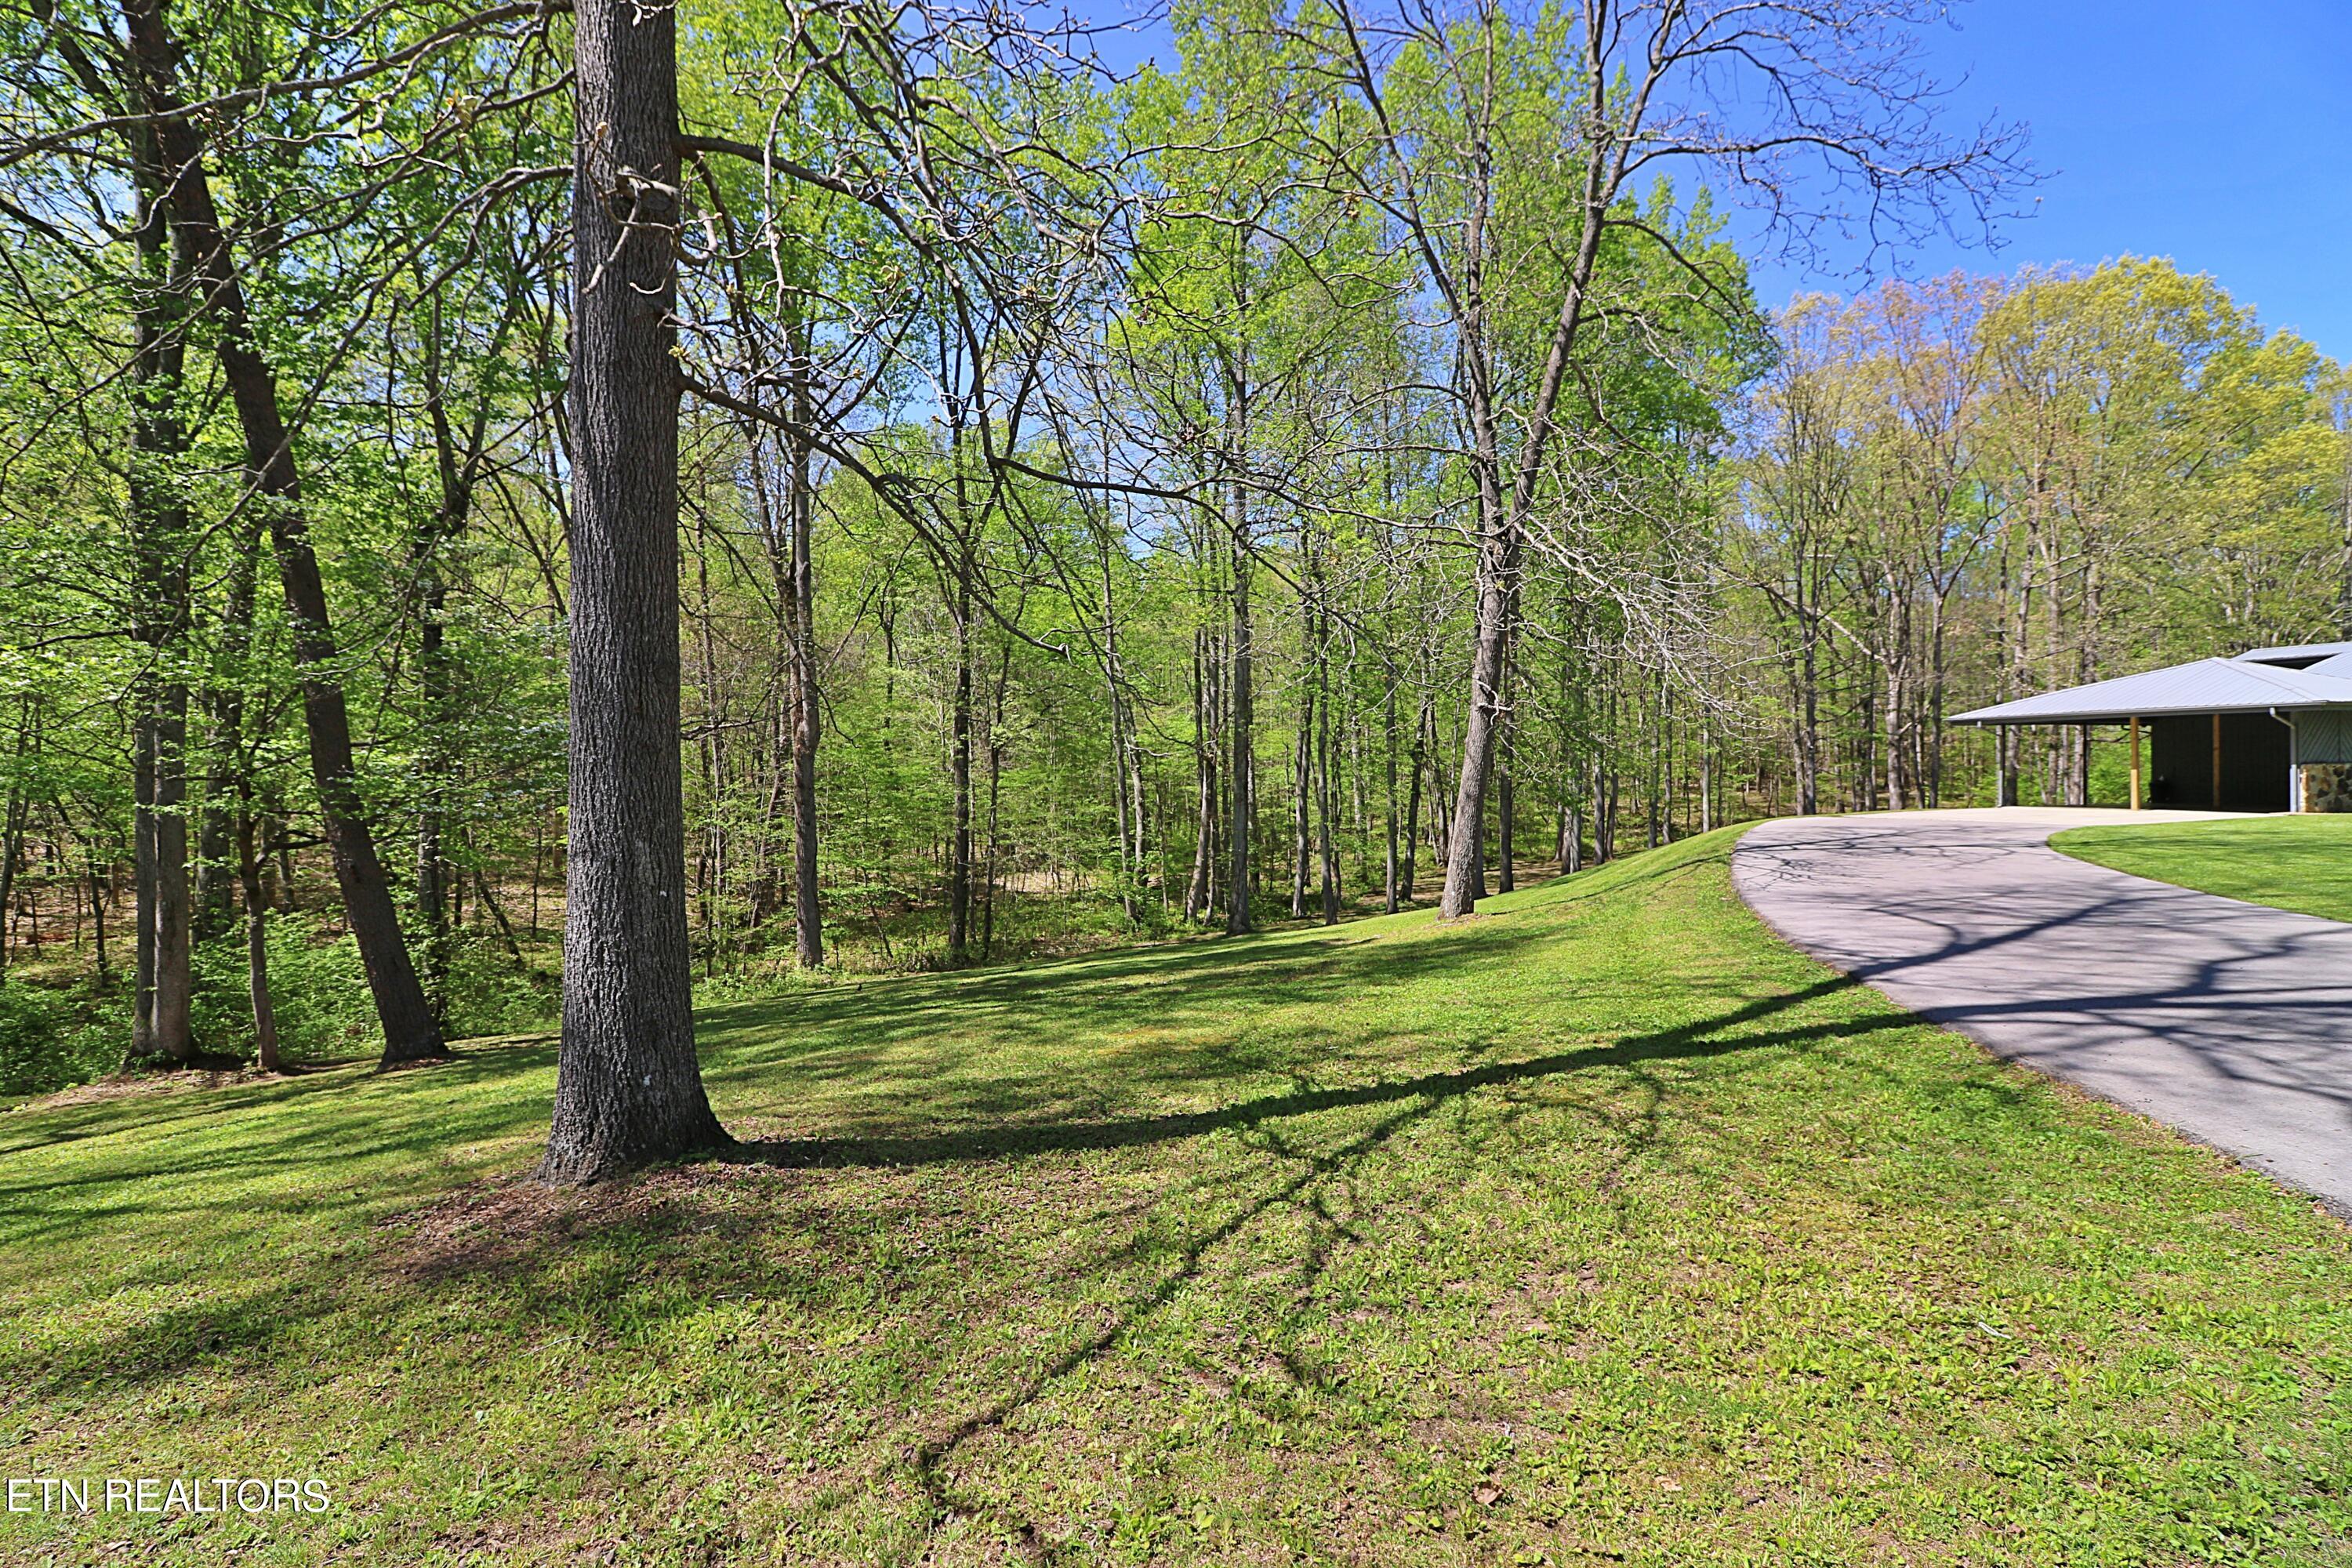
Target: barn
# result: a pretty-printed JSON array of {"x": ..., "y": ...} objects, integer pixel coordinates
[{"x": 2269, "y": 729}]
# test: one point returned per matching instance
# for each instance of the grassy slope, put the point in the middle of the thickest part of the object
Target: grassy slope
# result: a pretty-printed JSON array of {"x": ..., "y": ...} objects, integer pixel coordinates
[
  {"x": 1605, "y": 1228},
  {"x": 2301, "y": 863}
]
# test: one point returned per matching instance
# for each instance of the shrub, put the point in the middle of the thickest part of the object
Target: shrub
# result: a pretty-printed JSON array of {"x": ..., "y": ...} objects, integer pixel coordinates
[
  {"x": 316, "y": 990},
  {"x": 52, "y": 1039}
]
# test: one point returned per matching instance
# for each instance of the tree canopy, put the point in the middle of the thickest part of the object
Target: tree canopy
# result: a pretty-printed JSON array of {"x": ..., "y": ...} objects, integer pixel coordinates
[{"x": 1344, "y": 467}]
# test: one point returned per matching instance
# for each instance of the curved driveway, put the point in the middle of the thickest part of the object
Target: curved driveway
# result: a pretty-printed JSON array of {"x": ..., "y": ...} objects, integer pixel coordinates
[{"x": 2230, "y": 1021}]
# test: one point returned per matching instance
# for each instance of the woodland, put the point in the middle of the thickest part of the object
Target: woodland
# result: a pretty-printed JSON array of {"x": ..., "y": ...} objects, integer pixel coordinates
[
  {"x": 563, "y": 511},
  {"x": 814, "y": 781}
]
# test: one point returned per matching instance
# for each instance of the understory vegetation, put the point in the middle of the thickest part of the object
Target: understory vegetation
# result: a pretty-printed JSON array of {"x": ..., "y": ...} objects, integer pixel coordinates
[{"x": 1601, "y": 1228}]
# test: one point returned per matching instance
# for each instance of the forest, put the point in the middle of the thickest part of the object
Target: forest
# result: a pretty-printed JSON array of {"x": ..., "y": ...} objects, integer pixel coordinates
[{"x": 1341, "y": 467}]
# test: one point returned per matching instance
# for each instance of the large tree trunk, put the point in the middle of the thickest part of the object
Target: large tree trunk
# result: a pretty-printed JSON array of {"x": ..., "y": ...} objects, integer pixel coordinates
[
  {"x": 629, "y": 1089},
  {"x": 1465, "y": 852},
  {"x": 1503, "y": 522},
  {"x": 409, "y": 1031}
]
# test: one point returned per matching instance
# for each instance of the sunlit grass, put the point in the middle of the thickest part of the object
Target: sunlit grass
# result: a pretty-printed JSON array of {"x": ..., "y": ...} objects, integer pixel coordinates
[
  {"x": 2299, "y": 862},
  {"x": 1601, "y": 1228}
]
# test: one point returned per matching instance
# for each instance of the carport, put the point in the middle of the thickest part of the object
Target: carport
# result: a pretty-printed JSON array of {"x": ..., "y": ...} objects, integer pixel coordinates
[{"x": 2269, "y": 729}]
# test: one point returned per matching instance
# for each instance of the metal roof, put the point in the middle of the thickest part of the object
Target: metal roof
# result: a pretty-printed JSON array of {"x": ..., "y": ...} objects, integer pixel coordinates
[
  {"x": 2248, "y": 683},
  {"x": 2305, "y": 650}
]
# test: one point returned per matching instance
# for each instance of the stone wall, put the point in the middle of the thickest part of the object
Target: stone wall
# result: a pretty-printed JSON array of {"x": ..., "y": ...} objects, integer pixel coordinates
[{"x": 2326, "y": 786}]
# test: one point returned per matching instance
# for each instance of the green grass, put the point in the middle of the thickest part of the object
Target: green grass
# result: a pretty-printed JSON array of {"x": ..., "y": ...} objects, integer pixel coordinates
[
  {"x": 1601, "y": 1229},
  {"x": 2300, "y": 863}
]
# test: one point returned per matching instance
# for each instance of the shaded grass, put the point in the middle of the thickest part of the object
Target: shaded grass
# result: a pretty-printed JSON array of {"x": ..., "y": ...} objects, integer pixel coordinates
[
  {"x": 2294, "y": 862},
  {"x": 1601, "y": 1228}
]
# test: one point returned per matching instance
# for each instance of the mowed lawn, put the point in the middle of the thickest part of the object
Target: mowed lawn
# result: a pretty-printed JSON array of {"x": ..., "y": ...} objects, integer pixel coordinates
[
  {"x": 2300, "y": 863},
  {"x": 1602, "y": 1229}
]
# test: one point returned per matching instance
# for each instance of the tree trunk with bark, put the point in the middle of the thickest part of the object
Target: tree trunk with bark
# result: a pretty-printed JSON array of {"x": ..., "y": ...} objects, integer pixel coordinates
[
  {"x": 1327, "y": 797},
  {"x": 959, "y": 775},
  {"x": 249, "y": 857},
  {"x": 12, "y": 839},
  {"x": 794, "y": 573},
  {"x": 1466, "y": 871},
  {"x": 808, "y": 908},
  {"x": 628, "y": 1087},
  {"x": 1241, "y": 765},
  {"x": 1422, "y": 728},
  {"x": 433, "y": 867},
  {"x": 1198, "y": 892},
  {"x": 1506, "y": 800},
  {"x": 1302, "y": 760},
  {"x": 1388, "y": 813},
  {"x": 161, "y": 538},
  {"x": 202, "y": 242}
]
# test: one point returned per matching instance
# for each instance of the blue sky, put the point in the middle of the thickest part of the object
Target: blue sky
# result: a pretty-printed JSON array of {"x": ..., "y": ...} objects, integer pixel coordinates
[{"x": 2217, "y": 133}]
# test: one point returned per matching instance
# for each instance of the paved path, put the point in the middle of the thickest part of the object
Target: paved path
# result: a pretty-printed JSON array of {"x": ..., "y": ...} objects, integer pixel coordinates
[{"x": 2230, "y": 1021}]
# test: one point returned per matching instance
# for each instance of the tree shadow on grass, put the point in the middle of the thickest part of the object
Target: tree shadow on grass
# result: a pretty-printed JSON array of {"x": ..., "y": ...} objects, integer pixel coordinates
[
  {"x": 1204, "y": 976},
  {"x": 833, "y": 1032},
  {"x": 989, "y": 1117},
  {"x": 1696, "y": 1041},
  {"x": 997, "y": 1103},
  {"x": 1408, "y": 1103},
  {"x": 527, "y": 1253},
  {"x": 339, "y": 1123}
]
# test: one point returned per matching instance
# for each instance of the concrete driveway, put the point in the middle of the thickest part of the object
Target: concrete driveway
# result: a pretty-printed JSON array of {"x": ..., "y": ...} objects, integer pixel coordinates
[{"x": 2230, "y": 1021}]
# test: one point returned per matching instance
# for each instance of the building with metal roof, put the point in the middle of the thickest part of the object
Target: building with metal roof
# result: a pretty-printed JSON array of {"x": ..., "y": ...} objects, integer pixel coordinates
[{"x": 2269, "y": 729}]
